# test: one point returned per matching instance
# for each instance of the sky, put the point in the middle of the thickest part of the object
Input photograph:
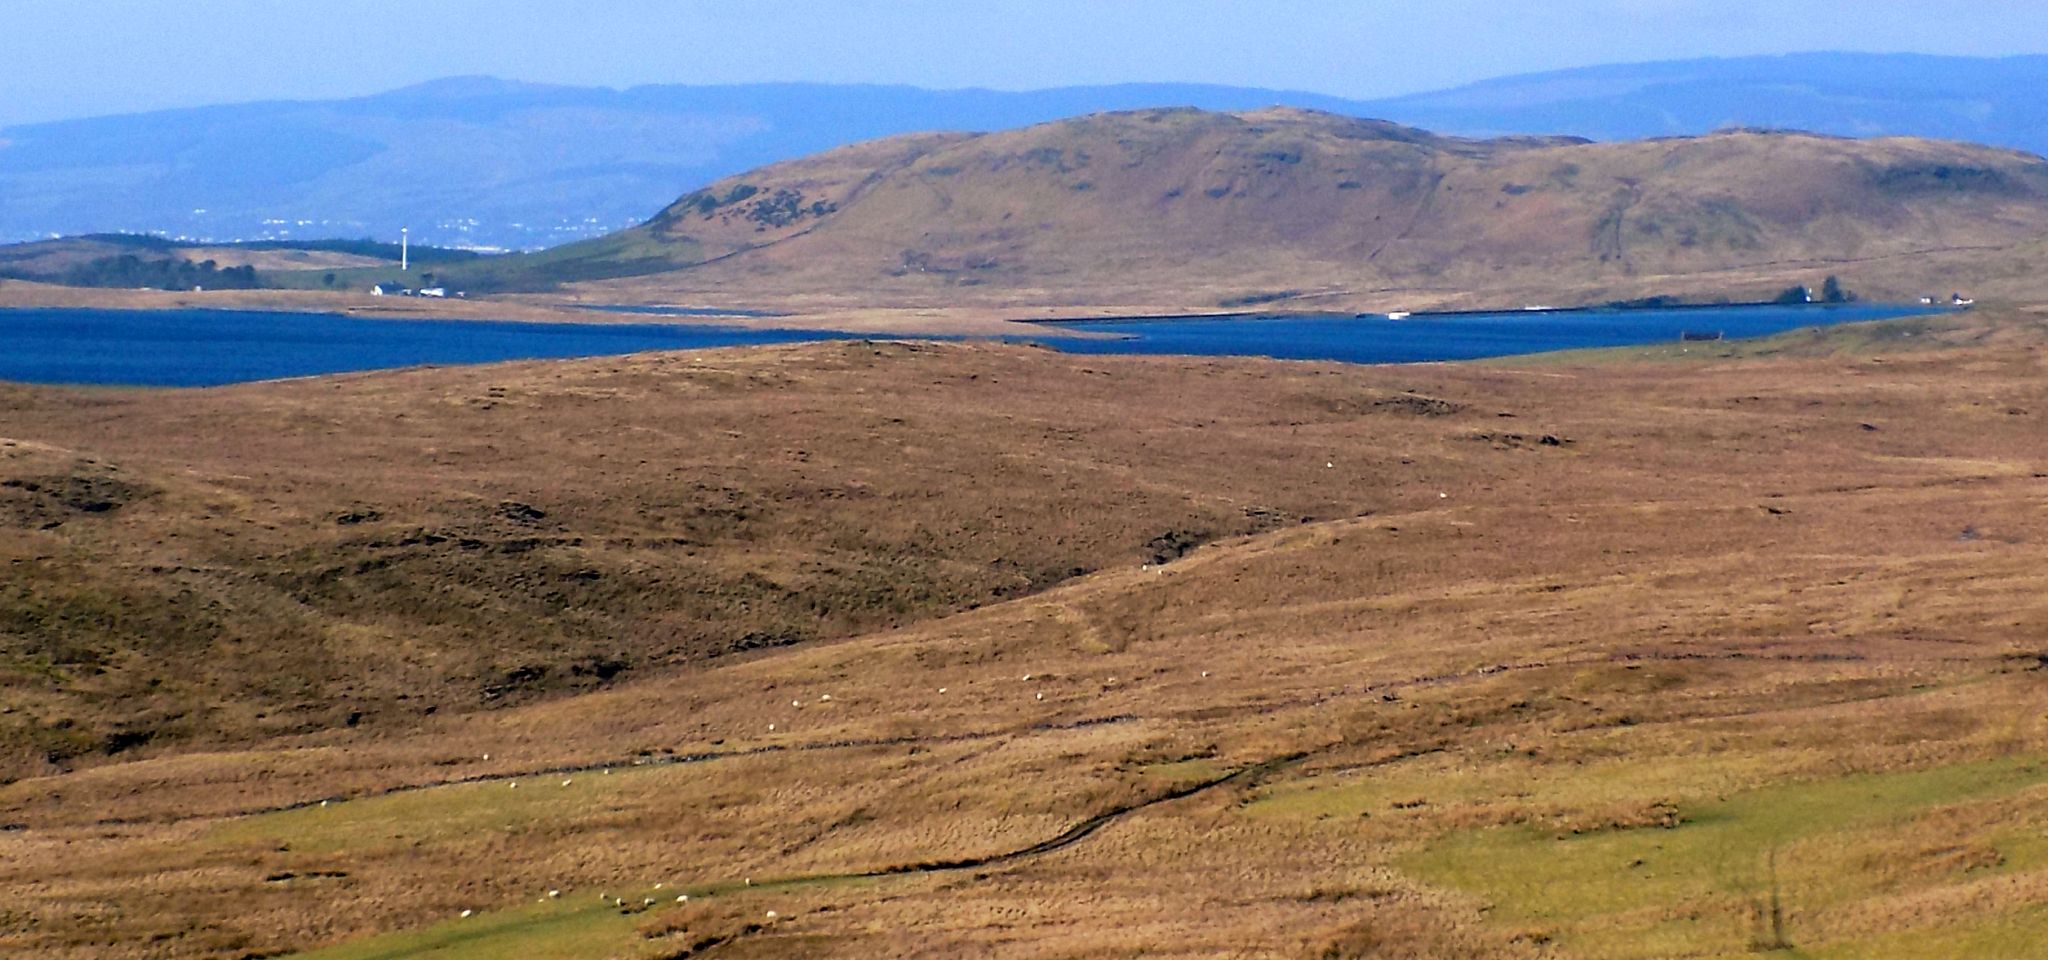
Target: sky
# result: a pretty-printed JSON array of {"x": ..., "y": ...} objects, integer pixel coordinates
[{"x": 73, "y": 58}]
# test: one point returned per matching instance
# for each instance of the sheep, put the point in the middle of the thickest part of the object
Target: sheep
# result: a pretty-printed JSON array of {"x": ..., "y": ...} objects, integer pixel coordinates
[
  {"x": 771, "y": 728},
  {"x": 796, "y": 703},
  {"x": 682, "y": 898},
  {"x": 466, "y": 914},
  {"x": 827, "y": 698},
  {"x": 554, "y": 894},
  {"x": 942, "y": 689},
  {"x": 568, "y": 781},
  {"x": 1041, "y": 696},
  {"x": 771, "y": 914}
]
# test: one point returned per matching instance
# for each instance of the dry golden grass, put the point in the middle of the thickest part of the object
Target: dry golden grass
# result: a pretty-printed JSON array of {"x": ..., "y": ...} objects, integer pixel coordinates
[{"x": 1499, "y": 699}]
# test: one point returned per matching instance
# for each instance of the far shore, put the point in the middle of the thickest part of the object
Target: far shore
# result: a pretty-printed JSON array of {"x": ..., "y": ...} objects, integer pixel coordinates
[{"x": 971, "y": 319}]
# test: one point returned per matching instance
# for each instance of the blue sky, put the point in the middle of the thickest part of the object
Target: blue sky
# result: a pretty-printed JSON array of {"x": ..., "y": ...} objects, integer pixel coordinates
[{"x": 82, "y": 57}]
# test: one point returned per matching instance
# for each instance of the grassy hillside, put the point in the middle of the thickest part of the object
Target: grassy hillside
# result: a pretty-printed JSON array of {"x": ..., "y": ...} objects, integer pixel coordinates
[
  {"x": 282, "y": 558},
  {"x": 1606, "y": 660},
  {"x": 1193, "y": 207}
]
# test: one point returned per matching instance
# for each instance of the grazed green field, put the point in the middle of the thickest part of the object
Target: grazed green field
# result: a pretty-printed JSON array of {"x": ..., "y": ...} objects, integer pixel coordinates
[{"x": 1863, "y": 845}]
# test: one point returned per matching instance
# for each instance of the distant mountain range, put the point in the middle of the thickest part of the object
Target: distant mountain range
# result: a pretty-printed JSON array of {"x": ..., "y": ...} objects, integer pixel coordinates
[
  {"x": 1991, "y": 101},
  {"x": 484, "y": 162},
  {"x": 481, "y": 162}
]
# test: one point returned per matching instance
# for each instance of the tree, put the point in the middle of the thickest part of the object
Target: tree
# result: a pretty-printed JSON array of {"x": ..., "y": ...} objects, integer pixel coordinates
[{"x": 1831, "y": 291}]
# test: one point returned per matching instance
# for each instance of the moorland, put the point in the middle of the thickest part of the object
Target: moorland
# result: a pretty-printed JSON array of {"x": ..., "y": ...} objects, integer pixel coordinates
[{"x": 927, "y": 649}]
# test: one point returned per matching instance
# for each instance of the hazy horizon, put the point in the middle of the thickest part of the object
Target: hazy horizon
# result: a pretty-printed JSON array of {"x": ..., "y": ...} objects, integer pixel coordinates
[{"x": 163, "y": 55}]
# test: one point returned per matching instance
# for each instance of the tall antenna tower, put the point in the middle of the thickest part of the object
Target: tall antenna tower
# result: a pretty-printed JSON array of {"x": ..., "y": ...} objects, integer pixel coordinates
[{"x": 404, "y": 249}]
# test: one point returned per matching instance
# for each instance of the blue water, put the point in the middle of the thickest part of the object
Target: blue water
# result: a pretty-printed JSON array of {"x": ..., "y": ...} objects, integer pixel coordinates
[
  {"x": 190, "y": 348},
  {"x": 1376, "y": 339},
  {"x": 196, "y": 348}
]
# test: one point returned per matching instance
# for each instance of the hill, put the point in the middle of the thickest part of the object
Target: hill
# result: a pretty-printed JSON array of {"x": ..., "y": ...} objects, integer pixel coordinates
[
  {"x": 129, "y": 261},
  {"x": 1597, "y": 659},
  {"x": 481, "y": 162},
  {"x": 1205, "y": 209}
]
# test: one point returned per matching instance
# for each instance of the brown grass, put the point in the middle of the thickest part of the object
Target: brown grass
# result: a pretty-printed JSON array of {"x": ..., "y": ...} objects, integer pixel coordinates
[
  {"x": 1312, "y": 211},
  {"x": 1726, "y": 604}
]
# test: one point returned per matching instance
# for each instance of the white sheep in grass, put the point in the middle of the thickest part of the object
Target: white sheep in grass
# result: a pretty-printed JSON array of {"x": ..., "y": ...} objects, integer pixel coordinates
[
  {"x": 466, "y": 914},
  {"x": 682, "y": 898}
]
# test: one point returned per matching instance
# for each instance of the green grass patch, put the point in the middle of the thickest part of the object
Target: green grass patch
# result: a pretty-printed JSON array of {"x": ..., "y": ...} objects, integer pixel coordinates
[
  {"x": 578, "y": 926},
  {"x": 1690, "y": 890},
  {"x": 438, "y": 813},
  {"x": 1446, "y": 780},
  {"x": 2020, "y": 936},
  {"x": 557, "y": 930}
]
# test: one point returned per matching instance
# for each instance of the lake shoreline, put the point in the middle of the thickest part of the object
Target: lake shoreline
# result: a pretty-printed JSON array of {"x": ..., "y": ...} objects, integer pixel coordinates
[{"x": 211, "y": 347}]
